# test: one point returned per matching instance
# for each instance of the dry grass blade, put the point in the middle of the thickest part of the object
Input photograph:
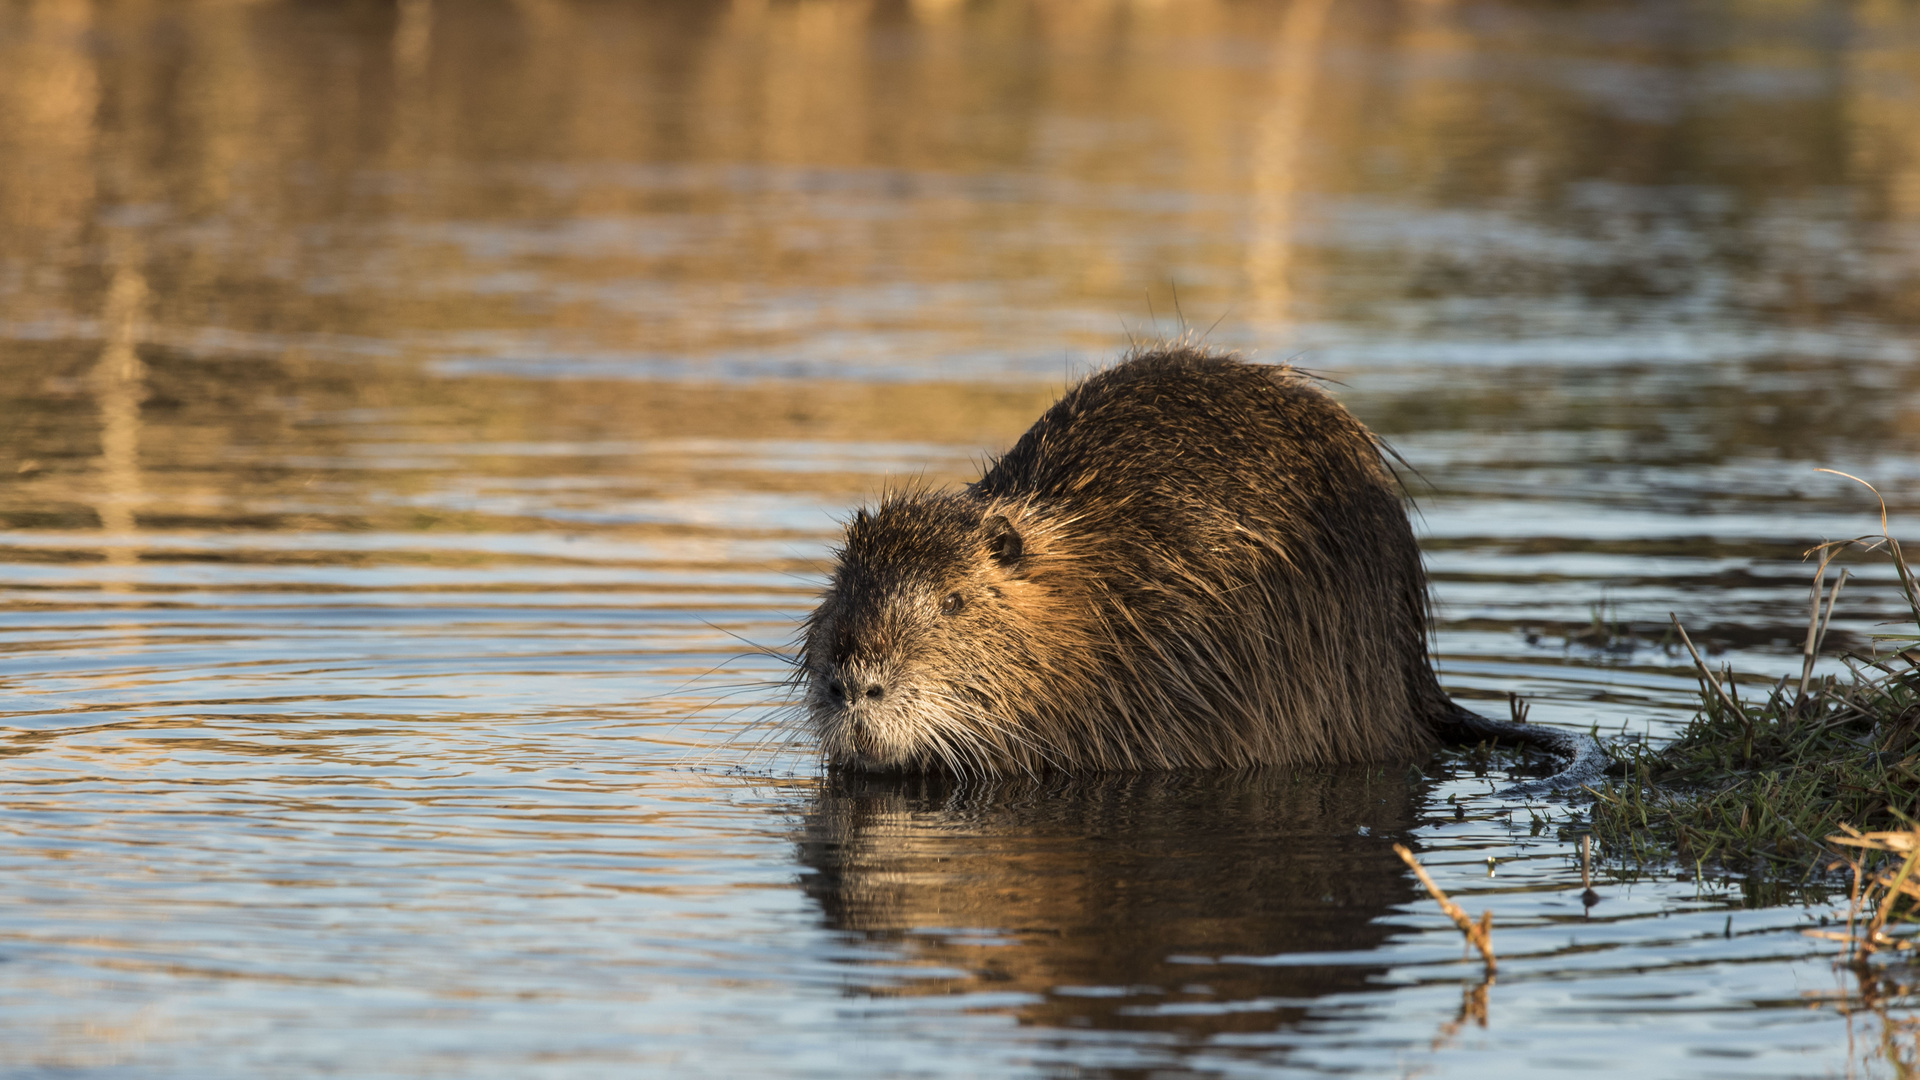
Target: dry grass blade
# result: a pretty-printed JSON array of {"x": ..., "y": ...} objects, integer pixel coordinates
[
  {"x": 1881, "y": 893},
  {"x": 1817, "y": 623},
  {"x": 1899, "y": 842},
  {"x": 1826, "y": 620},
  {"x": 1705, "y": 672},
  {"x": 1479, "y": 935},
  {"x": 1908, "y": 584},
  {"x": 1891, "y": 888},
  {"x": 1588, "y": 897}
]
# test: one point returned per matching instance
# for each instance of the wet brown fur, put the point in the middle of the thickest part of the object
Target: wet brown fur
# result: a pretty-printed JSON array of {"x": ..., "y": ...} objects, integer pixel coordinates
[{"x": 1189, "y": 561}]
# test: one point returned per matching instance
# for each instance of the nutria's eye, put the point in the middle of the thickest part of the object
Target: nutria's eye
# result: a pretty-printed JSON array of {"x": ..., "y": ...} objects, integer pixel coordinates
[{"x": 952, "y": 604}]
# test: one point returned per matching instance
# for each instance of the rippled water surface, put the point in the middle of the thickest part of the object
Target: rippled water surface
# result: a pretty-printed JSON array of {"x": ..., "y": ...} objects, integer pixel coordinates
[{"x": 422, "y": 424}]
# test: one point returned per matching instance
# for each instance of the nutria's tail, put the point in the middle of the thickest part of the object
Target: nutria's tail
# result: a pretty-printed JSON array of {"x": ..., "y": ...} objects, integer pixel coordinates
[{"x": 1584, "y": 759}]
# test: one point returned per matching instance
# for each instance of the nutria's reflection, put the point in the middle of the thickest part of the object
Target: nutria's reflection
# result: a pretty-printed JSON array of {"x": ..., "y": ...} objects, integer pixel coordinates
[{"x": 1097, "y": 896}]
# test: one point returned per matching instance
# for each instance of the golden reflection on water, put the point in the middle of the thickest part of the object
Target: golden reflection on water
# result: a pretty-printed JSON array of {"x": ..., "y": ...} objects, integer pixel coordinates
[
  {"x": 289, "y": 158},
  {"x": 1276, "y": 158},
  {"x": 746, "y": 189},
  {"x": 119, "y": 383}
]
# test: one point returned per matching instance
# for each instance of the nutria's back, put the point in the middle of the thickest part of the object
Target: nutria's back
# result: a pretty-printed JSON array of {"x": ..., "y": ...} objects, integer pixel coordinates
[{"x": 1189, "y": 560}]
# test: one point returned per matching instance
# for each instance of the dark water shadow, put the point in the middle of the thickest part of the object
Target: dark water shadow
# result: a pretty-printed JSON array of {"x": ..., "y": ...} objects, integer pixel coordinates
[{"x": 1107, "y": 903}]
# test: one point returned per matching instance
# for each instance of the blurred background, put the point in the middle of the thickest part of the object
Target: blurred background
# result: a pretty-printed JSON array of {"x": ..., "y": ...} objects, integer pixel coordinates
[{"x": 415, "y": 416}]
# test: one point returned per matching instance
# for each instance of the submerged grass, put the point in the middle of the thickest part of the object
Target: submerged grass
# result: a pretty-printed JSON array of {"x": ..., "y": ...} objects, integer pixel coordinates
[{"x": 1759, "y": 782}]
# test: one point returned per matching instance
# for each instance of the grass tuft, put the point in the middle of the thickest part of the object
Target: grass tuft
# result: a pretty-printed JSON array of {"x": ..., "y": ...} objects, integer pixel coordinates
[{"x": 1761, "y": 777}]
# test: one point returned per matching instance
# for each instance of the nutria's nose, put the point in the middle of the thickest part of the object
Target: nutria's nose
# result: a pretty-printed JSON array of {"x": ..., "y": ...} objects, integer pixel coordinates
[{"x": 846, "y": 690}]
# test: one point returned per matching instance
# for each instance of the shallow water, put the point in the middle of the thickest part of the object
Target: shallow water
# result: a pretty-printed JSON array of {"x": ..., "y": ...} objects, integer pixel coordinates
[{"x": 418, "y": 419}]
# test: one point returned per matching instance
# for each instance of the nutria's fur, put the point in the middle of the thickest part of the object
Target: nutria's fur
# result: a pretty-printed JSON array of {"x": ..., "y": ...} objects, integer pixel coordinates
[{"x": 1189, "y": 561}]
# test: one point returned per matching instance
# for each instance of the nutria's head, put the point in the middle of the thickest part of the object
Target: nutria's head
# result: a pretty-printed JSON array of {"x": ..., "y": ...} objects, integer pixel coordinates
[{"x": 927, "y": 645}]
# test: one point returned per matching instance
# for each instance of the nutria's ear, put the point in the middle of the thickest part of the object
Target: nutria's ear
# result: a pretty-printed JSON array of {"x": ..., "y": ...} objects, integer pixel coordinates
[{"x": 1003, "y": 541}]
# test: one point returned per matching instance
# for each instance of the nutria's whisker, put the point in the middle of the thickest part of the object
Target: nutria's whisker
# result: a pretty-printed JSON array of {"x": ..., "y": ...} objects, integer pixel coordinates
[{"x": 974, "y": 731}]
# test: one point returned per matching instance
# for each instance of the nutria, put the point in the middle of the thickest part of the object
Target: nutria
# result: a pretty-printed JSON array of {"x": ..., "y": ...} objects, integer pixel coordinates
[{"x": 1188, "y": 562}]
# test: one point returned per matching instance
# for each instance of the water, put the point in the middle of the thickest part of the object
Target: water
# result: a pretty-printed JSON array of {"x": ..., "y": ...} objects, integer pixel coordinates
[{"x": 414, "y": 418}]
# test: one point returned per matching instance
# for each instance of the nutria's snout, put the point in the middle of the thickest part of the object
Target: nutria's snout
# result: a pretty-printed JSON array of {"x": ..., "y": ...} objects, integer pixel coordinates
[
  {"x": 851, "y": 708},
  {"x": 846, "y": 712},
  {"x": 849, "y": 692}
]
